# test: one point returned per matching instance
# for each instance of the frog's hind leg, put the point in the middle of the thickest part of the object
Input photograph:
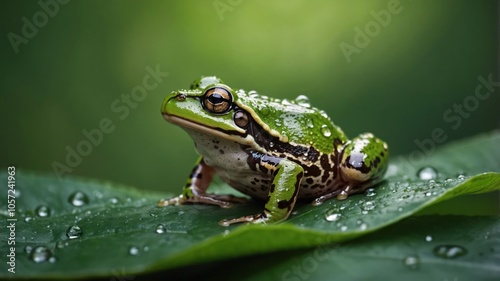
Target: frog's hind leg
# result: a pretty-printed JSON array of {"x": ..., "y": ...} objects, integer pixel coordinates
[{"x": 195, "y": 190}]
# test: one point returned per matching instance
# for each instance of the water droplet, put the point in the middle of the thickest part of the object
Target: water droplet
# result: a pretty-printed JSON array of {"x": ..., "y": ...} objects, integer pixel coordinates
[
  {"x": 253, "y": 94},
  {"x": 400, "y": 209},
  {"x": 52, "y": 259},
  {"x": 368, "y": 205},
  {"x": 323, "y": 113},
  {"x": 62, "y": 244},
  {"x": 264, "y": 110},
  {"x": 428, "y": 238},
  {"x": 325, "y": 131},
  {"x": 133, "y": 251},
  {"x": 449, "y": 251},
  {"x": 28, "y": 249},
  {"x": 428, "y": 194},
  {"x": 277, "y": 122},
  {"x": 303, "y": 100},
  {"x": 333, "y": 216},
  {"x": 160, "y": 229},
  {"x": 113, "y": 200},
  {"x": 411, "y": 262},
  {"x": 42, "y": 211},
  {"x": 427, "y": 173},
  {"x": 78, "y": 199},
  {"x": 74, "y": 232},
  {"x": 343, "y": 228},
  {"x": 370, "y": 192},
  {"x": 28, "y": 219},
  {"x": 40, "y": 254},
  {"x": 145, "y": 249},
  {"x": 271, "y": 144},
  {"x": 363, "y": 226},
  {"x": 461, "y": 177},
  {"x": 310, "y": 124}
]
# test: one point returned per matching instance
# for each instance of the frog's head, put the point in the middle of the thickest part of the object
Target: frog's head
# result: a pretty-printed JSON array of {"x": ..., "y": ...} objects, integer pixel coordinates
[{"x": 208, "y": 107}]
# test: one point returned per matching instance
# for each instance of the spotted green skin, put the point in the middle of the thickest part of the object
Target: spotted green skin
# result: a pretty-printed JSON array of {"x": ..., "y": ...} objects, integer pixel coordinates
[{"x": 280, "y": 151}]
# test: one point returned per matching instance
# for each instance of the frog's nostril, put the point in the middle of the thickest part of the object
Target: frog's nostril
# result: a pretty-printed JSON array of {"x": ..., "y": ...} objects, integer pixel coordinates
[{"x": 180, "y": 97}]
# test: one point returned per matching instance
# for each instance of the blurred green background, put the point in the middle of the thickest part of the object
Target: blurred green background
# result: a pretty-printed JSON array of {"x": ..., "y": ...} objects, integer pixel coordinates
[{"x": 403, "y": 75}]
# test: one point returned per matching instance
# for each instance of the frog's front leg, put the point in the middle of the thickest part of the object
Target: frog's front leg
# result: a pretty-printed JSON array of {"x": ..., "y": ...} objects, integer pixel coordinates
[
  {"x": 196, "y": 186},
  {"x": 362, "y": 164},
  {"x": 283, "y": 191}
]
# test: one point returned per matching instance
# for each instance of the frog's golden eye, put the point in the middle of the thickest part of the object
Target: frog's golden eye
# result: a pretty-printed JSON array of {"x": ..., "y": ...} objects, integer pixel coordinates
[
  {"x": 240, "y": 119},
  {"x": 217, "y": 100}
]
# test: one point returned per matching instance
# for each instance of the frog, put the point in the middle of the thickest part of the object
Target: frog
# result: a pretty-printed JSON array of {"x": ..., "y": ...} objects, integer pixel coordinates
[{"x": 275, "y": 150}]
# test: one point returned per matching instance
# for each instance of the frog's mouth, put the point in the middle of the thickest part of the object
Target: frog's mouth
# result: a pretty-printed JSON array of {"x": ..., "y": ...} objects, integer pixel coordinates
[
  {"x": 239, "y": 137},
  {"x": 189, "y": 124}
]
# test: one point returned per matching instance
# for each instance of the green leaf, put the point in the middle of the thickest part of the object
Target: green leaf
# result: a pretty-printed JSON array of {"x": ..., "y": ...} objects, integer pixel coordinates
[
  {"x": 119, "y": 224},
  {"x": 419, "y": 248}
]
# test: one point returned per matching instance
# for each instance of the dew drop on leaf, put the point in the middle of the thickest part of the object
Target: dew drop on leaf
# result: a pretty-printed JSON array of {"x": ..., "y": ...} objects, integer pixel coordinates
[
  {"x": 78, "y": 199},
  {"x": 368, "y": 205},
  {"x": 427, "y": 173},
  {"x": 449, "y": 251},
  {"x": 370, "y": 192},
  {"x": 332, "y": 216},
  {"x": 134, "y": 251},
  {"x": 428, "y": 238},
  {"x": 160, "y": 229},
  {"x": 113, "y": 200},
  {"x": 42, "y": 211},
  {"x": 411, "y": 262},
  {"x": 40, "y": 254},
  {"x": 28, "y": 249},
  {"x": 74, "y": 232}
]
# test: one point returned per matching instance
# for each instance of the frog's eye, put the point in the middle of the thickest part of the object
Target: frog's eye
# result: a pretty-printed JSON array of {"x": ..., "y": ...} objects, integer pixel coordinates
[
  {"x": 217, "y": 100},
  {"x": 240, "y": 119}
]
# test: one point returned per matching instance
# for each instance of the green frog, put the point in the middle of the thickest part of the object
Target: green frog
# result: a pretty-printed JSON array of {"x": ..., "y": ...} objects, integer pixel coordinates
[{"x": 270, "y": 149}]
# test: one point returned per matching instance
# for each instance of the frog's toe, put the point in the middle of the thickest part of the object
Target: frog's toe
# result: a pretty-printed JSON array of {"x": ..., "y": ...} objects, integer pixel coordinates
[
  {"x": 258, "y": 218},
  {"x": 229, "y": 198},
  {"x": 171, "y": 202}
]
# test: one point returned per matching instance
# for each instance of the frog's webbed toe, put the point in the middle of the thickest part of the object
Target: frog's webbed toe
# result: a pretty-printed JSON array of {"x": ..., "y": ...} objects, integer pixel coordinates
[
  {"x": 258, "y": 218},
  {"x": 343, "y": 192},
  {"x": 223, "y": 201}
]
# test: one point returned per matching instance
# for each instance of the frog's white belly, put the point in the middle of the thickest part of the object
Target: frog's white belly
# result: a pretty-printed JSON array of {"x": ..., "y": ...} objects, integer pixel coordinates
[{"x": 230, "y": 162}]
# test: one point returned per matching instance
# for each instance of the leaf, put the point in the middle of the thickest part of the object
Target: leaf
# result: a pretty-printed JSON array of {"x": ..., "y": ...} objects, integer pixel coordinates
[
  {"x": 118, "y": 224},
  {"x": 418, "y": 248}
]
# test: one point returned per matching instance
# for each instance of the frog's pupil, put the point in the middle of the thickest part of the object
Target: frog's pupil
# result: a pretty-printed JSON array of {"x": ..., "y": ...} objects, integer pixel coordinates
[{"x": 216, "y": 98}]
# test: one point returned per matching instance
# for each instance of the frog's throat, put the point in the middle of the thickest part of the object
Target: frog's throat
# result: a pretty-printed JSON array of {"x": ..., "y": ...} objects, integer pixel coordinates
[{"x": 241, "y": 138}]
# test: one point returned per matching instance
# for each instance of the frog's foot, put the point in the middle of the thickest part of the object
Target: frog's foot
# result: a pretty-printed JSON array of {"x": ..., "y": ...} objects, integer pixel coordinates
[
  {"x": 223, "y": 201},
  {"x": 320, "y": 200},
  {"x": 342, "y": 194},
  {"x": 258, "y": 218}
]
